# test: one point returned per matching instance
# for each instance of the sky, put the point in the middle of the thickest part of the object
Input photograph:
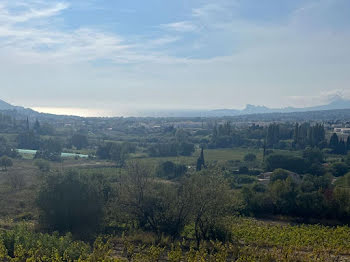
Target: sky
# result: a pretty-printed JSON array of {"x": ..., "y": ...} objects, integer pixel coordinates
[{"x": 117, "y": 57}]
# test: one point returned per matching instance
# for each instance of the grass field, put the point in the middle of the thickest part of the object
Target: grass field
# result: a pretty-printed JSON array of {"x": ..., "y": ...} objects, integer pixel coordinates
[
  {"x": 212, "y": 155},
  {"x": 20, "y": 183}
]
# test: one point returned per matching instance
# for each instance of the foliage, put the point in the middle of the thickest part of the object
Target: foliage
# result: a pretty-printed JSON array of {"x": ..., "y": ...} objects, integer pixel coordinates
[
  {"x": 339, "y": 169},
  {"x": 21, "y": 244},
  {"x": 5, "y": 162},
  {"x": 79, "y": 141},
  {"x": 200, "y": 161},
  {"x": 43, "y": 165},
  {"x": 170, "y": 170},
  {"x": 117, "y": 152},
  {"x": 158, "y": 207},
  {"x": 291, "y": 163},
  {"x": 250, "y": 157},
  {"x": 209, "y": 196},
  {"x": 279, "y": 174},
  {"x": 72, "y": 202},
  {"x": 307, "y": 135},
  {"x": 50, "y": 149},
  {"x": 6, "y": 149}
]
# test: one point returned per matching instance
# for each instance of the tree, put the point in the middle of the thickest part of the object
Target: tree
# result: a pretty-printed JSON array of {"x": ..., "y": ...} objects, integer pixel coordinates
[
  {"x": 250, "y": 157},
  {"x": 28, "y": 140},
  {"x": 72, "y": 202},
  {"x": 334, "y": 141},
  {"x": 341, "y": 148},
  {"x": 36, "y": 126},
  {"x": 279, "y": 174},
  {"x": 158, "y": 207},
  {"x": 273, "y": 135},
  {"x": 43, "y": 165},
  {"x": 51, "y": 149},
  {"x": 291, "y": 163},
  {"x": 27, "y": 124},
  {"x": 185, "y": 149},
  {"x": 200, "y": 161},
  {"x": 79, "y": 141},
  {"x": 313, "y": 155},
  {"x": 307, "y": 135},
  {"x": 6, "y": 150},
  {"x": 339, "y": 169},
  {"x": 5, "y": 162},
  {"x": 283, "y": 195},
  {"x": 170, "y": 170},
  {"x": 209, "y": 195}
]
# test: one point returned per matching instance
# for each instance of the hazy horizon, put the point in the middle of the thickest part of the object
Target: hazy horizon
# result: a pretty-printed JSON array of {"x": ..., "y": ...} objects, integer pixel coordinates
[{"x": 116, "y": 58}]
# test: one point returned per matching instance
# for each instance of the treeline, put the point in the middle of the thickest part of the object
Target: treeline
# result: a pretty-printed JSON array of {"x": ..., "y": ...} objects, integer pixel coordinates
[
  {"x": 310, "y": 195},
  {"x": 277, "y": 136},
  {"x": 117, "y": 152}
]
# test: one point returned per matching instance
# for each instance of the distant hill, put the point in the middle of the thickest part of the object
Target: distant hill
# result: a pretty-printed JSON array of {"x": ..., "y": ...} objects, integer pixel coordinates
[
  {"x": 22, "y": 112},
  {"x": 336, "y": 104},
  {"x": 17, "y": 110},
  {"x": 5, "y": 106}
]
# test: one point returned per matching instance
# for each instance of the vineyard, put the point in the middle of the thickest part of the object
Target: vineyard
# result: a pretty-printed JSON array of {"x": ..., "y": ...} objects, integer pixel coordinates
[{"x": 253, "y": 241}]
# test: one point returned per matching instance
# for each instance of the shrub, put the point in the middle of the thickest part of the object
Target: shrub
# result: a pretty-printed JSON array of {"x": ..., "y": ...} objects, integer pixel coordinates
[
  {"x": 279, "y": 174},
  {"x": 171, "y": 170},
  {"x": 72, "y": 202},
  {"x": 292, "y": 163},
  {"x": 339, "y": 169},
  {"x": 5, "y": 162},
  {"x": 250, "y": 157},
  {"x": 43, "y": 165}
]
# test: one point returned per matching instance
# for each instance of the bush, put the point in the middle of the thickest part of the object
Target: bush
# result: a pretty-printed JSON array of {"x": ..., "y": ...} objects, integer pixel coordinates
[
  {"x": 170, "y": 170},
  {"x": 279, "y": 174},
  {"x": 250, "y": 157},
  {"x": 72, "y": 202},
  {"x": 244, "y": 179},
  {"x": 291, "y": 163},
  {"x": 16, "y": 180},
  {"x": 5, "y": 162},
  {"x": 243, "y": 170},
  {"x": 339, "y": 169},
  {"x": 43, "y": 165}
]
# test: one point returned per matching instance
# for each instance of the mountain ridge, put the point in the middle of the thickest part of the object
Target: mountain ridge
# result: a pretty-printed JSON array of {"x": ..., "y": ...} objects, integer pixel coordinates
[{"x": 338, "y": 103}]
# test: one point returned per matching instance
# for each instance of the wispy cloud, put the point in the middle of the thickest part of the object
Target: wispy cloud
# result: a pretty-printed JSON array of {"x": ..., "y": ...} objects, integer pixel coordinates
[
  {"x": 32, "y": 13},
  {"x": 29, "y": 43},
  {"x": 212, "y": 49},
  {"x": 183, "y": 26}
]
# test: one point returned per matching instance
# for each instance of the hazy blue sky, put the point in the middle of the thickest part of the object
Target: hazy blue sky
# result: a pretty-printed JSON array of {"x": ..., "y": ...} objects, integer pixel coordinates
[{"x": 113, "y": 57}]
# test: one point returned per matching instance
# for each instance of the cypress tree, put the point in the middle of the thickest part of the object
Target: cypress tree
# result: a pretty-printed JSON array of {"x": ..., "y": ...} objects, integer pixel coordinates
[
  {"x": 334, "y": 141},
  {"x": 341, "y": 148},
  {"x": 200, "y": 161},
  {"x": 27, "y": 124}
]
